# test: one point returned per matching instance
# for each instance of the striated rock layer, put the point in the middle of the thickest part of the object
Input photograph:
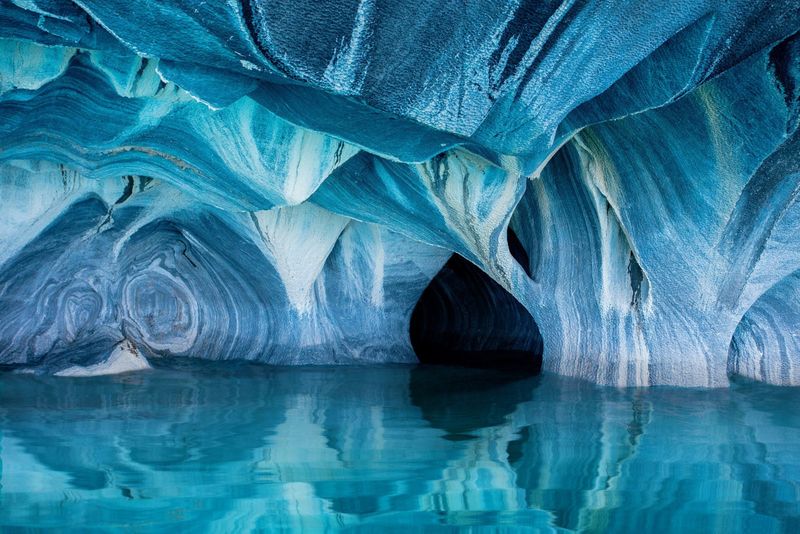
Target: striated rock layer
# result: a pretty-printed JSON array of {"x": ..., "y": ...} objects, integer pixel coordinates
[{"x": 282, "y": 180}]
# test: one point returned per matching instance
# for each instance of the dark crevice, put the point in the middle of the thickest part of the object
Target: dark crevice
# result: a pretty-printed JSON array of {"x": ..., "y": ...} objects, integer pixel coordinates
[
  {"x": 636, "y": 277},
  {"x": 465, "y": 318},
  {"x": 127, "y": 192},
  {"x": 783, "y": 60},
  {"x": 142, "y": 66},
  {"x": 518, "y": 251}
]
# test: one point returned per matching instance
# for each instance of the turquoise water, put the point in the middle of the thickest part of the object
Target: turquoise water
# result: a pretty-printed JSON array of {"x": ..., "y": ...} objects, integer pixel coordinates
[{"x": 231, "y": 449}]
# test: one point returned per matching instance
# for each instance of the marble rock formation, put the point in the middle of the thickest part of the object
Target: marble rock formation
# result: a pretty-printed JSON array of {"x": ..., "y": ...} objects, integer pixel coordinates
[{"x": 281, "y": 180}]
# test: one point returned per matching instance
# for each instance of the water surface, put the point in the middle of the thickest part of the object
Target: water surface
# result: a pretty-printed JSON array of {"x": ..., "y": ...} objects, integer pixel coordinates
[{"x": 202, "y": 447}]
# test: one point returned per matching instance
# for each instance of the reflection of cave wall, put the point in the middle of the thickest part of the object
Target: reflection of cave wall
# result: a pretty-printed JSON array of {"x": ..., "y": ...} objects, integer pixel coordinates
[
  {"x": 465, "y": 318},
  {"x": 444, "y": 395}
]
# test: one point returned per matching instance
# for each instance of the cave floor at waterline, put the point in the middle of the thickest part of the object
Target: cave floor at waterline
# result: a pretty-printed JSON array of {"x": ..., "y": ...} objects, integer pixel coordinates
[{"x": 209, "y": 447}]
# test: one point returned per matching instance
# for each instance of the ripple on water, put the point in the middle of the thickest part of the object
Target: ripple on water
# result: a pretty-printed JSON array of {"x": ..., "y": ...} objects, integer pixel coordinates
[{"x": 200, "y": 445}]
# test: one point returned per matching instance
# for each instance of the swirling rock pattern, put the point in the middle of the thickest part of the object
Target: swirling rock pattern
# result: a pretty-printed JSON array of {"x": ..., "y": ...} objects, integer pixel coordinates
[
  {"x": 292, "y": 285},
  {"x": 280, "y": 181}
]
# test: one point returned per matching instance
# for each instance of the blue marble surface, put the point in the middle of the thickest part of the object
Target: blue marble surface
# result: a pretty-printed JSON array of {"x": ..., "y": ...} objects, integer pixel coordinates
[{"x": 280, "y": 180}]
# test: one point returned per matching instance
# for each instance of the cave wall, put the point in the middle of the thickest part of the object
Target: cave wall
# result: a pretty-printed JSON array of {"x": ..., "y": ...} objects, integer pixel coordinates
[{"x": 280, "y": 181}]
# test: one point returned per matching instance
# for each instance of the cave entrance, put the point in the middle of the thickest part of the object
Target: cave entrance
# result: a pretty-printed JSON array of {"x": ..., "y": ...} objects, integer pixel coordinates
[{"x": 465, "y": 318}]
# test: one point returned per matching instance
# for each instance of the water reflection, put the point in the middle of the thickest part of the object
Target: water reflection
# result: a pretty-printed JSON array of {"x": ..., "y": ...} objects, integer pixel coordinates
[{"x": 199, "y": 447}]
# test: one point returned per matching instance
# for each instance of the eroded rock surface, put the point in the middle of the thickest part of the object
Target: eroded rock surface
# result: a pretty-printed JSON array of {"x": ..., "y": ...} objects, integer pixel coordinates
[{"x": 280, "y": 181}]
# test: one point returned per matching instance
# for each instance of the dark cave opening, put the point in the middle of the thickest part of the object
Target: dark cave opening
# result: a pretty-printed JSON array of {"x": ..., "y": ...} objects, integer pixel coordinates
[{"x": 467, "y": 319}]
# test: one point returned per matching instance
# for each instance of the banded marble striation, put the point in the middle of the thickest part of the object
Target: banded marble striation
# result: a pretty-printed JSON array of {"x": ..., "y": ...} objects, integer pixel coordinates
[{"x": 280, "y": 181}]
